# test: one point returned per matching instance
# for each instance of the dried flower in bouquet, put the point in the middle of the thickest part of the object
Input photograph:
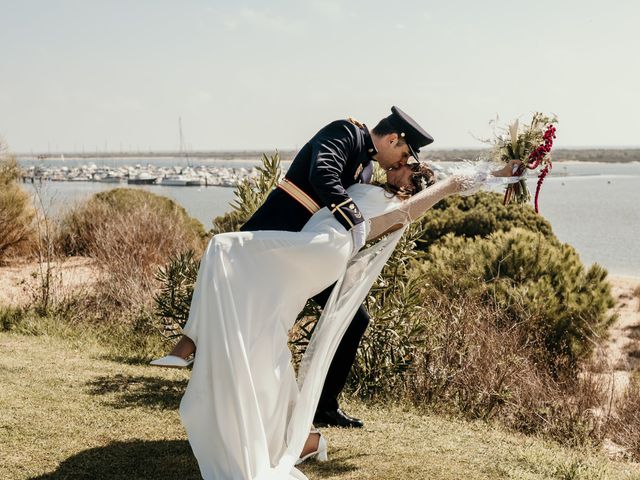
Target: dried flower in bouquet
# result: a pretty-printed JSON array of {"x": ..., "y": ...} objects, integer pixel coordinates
[{"x": 531, "y": 143}]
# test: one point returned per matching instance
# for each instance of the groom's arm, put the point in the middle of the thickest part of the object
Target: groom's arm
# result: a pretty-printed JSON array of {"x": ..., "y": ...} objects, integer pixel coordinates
[{"x": 330, "y": 152}]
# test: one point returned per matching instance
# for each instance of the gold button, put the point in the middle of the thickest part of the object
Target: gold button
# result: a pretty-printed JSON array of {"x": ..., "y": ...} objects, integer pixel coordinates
[
  {"x": 402, "y": 134},
  {"x": 352, "y": 206},
  {"x": 333, "y": 205},
  {"x": 371, "y": 150}
]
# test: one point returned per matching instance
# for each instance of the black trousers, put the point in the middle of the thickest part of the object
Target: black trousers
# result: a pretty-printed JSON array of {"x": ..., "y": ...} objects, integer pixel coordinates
[
  {"x": 344, "y": 356},
  {"x": 280, "y": 212}
]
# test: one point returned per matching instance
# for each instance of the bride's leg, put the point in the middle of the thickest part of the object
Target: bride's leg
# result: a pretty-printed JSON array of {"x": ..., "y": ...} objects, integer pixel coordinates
[
  {"x": 311, "y": 445},
  {"x": 178, "y": 356},
  {"x": 184, "y": 347}
]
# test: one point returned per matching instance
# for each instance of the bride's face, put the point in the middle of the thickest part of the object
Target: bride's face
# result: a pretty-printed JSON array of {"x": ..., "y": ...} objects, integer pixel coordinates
[{"x": 400, "y": 177}]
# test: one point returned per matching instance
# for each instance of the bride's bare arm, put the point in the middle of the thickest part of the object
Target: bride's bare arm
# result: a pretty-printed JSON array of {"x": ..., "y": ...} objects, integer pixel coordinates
[{"x": 413, "y": 207}]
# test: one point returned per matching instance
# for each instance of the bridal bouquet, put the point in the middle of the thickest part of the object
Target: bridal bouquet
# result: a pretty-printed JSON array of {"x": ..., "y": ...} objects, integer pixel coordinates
[{"x": 531, "y": 143}]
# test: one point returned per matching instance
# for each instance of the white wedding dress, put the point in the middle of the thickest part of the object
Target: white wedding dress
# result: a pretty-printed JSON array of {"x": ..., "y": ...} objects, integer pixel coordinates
[{"x": 246, "y": 414}]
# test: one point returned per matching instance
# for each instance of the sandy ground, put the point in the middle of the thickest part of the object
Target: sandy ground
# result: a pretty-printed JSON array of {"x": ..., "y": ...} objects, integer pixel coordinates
[
  {"x": 19, "y": 281},
  {"x": 619, "y": 354},
  {"x": 621, "y": 350}
]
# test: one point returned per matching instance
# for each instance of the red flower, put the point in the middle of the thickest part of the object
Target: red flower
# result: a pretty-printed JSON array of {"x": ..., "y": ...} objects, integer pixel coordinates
[{"x": 541, "y": 177}]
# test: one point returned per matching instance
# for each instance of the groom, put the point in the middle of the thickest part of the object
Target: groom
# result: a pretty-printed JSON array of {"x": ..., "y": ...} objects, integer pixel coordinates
[{"x": 338, "y": 156}]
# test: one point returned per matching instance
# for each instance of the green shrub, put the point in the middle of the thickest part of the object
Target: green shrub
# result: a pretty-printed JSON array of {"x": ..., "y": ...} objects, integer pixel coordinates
[
  {"x": 173, "y": 301},
  {"x": 473, "y": 366},
  {"x": 479, "y": 215},
  {"x": 398, "y": 326},
  {"x": 16, "y": 210},
  {"x": 10, "y": 317},
  {"x": 538, "y": 281},
  {"x": 250, "y": 193}
]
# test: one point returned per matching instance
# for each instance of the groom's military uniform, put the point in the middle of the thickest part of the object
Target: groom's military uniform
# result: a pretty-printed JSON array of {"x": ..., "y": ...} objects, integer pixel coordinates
[{"x": 338, "y": 156}]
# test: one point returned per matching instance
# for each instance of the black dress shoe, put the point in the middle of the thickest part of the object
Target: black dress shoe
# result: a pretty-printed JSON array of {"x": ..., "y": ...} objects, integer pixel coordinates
[{"x": 335, "y": 418}]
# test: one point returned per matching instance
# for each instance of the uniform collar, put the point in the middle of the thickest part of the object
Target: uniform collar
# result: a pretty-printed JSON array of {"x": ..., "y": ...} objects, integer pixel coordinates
[{"x": 368, "y": 143}]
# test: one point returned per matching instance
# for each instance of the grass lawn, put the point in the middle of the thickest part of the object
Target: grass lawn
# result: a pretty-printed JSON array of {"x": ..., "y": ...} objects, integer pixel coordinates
[{"x": 69, "y": 411}]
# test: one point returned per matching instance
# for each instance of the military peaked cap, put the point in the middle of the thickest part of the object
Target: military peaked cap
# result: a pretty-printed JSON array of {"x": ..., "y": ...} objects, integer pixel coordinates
[{"x": 415, "y": 136}]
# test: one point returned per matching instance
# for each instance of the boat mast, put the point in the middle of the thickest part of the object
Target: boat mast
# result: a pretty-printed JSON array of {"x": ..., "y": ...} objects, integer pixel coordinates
[{"x": 183, "y": 148}]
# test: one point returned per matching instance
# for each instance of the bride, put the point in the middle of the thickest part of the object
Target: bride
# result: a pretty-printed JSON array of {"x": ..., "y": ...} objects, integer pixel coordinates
[{"x": 246, "y": 414}]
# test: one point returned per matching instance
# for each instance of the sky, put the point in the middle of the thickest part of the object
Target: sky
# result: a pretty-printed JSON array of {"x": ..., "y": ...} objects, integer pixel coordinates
[{"x": 250, "y": 75}]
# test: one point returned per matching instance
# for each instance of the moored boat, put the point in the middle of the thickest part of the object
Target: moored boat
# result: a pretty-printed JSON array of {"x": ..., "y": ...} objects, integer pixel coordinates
[
  {"x": 181, "y": 181},
  {"x": 110, "y": 178},
  {"x": 143, "y": 178}
]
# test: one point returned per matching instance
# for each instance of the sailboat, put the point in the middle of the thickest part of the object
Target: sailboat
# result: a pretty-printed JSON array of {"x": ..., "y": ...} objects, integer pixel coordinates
[{"x": 182, "y": 179}]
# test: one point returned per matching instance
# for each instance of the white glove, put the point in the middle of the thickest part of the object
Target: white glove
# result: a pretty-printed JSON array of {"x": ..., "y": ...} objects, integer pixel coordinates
[{"x": 359, "y": 237}]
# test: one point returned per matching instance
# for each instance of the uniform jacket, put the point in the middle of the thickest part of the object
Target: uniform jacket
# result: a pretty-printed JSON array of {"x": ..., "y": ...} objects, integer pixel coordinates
[{"x": 338, "y": 156}]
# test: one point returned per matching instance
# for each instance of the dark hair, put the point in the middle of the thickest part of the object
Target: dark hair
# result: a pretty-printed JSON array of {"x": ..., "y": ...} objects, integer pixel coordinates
[
  {"x": 421, "y": 178},
  {"x": 385, "y": 127}
]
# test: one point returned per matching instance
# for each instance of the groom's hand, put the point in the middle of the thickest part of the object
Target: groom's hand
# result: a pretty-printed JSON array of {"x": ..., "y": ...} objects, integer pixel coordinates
[{"x": 359, "y": 236}]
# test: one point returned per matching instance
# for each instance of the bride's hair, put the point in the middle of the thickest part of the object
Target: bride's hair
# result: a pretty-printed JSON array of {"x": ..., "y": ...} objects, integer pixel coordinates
[{"x": 421, "y": 178}]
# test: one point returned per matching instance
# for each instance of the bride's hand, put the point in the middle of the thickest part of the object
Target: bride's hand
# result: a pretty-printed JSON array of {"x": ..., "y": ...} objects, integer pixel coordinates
[{"x": 512, "y": 169}]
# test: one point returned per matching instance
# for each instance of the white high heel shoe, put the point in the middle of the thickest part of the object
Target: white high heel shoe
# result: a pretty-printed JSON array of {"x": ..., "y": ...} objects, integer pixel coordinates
[
  {"x": 171, "y": 361},
  {"x": 320, "y": 454}
]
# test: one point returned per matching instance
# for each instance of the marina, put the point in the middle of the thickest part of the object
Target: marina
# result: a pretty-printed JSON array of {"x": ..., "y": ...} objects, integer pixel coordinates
[{"x": 148, "y": 174}]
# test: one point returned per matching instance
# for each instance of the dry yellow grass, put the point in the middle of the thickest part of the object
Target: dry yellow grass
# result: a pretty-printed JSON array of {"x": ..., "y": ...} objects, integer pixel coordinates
[{"x": 68, "y": 411}]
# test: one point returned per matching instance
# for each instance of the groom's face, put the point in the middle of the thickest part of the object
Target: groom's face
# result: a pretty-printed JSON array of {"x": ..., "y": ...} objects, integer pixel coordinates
[{"x": 393, "y": 152}]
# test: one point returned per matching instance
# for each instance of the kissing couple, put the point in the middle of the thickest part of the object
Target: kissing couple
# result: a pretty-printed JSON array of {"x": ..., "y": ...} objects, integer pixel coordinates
[{"x": 248, "y": 416}]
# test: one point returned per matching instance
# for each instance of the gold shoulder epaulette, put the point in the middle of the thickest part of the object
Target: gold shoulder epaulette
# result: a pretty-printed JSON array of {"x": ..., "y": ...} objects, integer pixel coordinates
[{"x": 356, "y": 122}]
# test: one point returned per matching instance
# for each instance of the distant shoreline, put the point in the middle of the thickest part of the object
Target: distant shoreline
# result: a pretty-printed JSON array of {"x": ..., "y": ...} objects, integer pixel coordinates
[{"x": 606, "y": 155}]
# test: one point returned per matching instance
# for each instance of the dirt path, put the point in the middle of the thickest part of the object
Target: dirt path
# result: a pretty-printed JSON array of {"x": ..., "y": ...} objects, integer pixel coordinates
[{"x": 19, "y": 281}]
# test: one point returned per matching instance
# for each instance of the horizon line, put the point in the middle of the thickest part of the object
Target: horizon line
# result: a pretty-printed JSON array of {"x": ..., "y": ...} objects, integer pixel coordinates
[{"x": 287, "y": 150}]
